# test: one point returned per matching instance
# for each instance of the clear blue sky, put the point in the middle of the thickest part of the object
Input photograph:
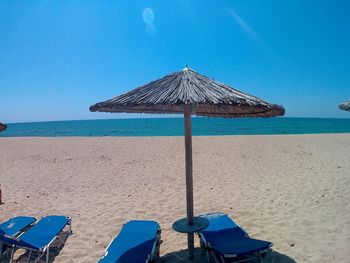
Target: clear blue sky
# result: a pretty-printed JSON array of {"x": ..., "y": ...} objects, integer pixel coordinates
[{"x": 58, "y": 57}]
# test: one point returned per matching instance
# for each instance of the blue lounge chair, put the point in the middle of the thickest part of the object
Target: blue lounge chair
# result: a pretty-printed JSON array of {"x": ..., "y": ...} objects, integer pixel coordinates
[
  {"x": 14, "y": 227},
  {"x": 137, "y": 242},
  {"x": 226, "y": 241},
  {"x": 40, "y": 237}
]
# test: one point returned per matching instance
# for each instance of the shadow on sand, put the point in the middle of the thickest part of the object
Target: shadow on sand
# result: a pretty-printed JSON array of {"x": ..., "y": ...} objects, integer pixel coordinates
[{"x": 181, "y": 256}]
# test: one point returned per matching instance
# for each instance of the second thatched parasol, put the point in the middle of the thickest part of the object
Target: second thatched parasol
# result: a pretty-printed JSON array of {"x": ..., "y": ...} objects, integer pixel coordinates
[
  {"x": 189, "y": 92},
  {"x": 345, "y": 106},
  {"x": 2, "y": 127}
]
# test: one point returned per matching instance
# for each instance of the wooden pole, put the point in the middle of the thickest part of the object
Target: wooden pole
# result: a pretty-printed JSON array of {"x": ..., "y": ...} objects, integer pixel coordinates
[
  {"x": 189, "y": 178},
  {"x": 0, "y": 196}
]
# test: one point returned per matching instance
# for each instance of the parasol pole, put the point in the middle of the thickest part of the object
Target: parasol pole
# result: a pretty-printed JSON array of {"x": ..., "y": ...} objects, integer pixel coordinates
[{"x": 189, "y": 178}]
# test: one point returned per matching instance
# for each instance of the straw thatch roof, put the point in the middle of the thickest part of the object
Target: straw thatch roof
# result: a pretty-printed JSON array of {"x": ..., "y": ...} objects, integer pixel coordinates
[
  {"x": 209, "y": 97},
  {"x": 345, "y": 106},
  {"x": 2, "y": 127}
]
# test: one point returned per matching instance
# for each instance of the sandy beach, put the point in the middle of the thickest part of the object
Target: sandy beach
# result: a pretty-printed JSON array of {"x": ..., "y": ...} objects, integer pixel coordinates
[{"x": 292, "y": 190}]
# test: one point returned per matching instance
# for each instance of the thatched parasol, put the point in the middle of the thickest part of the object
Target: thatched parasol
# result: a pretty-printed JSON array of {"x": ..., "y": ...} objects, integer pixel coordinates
[
  {"x": 345, "y": 106},
  {"x": 190, "y": 93},
  {"x": 2, "y": 127}
]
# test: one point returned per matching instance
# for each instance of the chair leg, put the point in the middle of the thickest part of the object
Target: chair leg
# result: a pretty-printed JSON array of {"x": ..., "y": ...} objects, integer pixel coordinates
[
  {"x": 70, "y": 227},
  {"x": 29, "y": 256},
  {"x": 12, "y": 252},
  {"x": 47, "y": 254},
  {"x": 208, "y": 255},
  {"x": 216, "y": 259},
  {"x": 0, "y": 252},
  {"x": 61, "y": 240}
]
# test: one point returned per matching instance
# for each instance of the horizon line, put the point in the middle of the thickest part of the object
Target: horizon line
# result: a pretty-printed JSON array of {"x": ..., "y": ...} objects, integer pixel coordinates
[{"x": 171, "y": 117}]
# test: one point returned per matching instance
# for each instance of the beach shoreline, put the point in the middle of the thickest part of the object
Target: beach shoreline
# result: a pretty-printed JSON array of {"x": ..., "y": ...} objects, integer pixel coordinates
[{"x": 289, "y": 189}]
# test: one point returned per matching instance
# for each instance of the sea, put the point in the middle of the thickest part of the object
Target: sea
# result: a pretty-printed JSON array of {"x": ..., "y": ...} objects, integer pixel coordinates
[{"x": 201, "y": 126}]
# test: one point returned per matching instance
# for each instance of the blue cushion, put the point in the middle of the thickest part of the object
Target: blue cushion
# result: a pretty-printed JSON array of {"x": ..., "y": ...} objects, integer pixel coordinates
[
  {"x": 218, "y": 221},
  {"x": 133, "y": 244},
  {"x": 44, "y": 231}
]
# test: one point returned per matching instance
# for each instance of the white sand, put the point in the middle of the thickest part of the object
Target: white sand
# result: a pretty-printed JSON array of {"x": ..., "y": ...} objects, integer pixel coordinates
[{"x": 292, "y": 190}]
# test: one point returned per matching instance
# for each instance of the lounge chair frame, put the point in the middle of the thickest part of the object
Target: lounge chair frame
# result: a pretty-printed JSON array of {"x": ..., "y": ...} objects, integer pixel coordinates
[
  {"x": 211, "y": 254},
  {"x": 156, "y": 247},
  {"x": 218, "y": 258},
  {"x": 45, "y": 249},
  {"x": 3, "y": 253}
]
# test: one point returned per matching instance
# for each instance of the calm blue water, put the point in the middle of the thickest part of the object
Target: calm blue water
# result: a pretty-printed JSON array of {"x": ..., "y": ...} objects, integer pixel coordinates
[{"x": 174, "y": 127}]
